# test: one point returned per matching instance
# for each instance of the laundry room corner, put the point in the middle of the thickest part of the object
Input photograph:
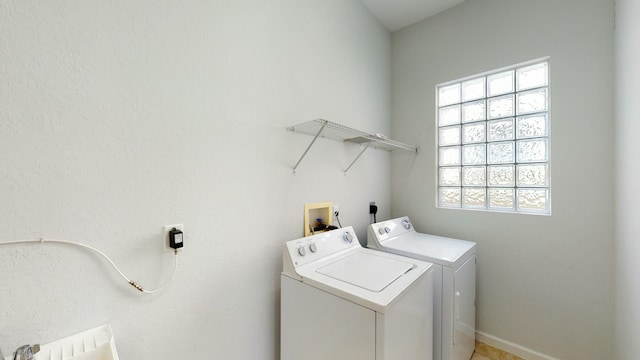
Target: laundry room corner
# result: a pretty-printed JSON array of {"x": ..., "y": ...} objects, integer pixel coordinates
[{"x": 537, "y": 282}]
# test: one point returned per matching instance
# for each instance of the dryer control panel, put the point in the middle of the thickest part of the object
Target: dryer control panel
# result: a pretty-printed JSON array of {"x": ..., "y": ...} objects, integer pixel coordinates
[
  {"x": 312, "y": 248},
  {"x": 391, "y": 228}
]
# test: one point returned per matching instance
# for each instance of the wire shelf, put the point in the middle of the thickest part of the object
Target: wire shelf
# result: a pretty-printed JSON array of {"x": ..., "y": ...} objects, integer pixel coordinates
[{"x": 338, "y": 132}]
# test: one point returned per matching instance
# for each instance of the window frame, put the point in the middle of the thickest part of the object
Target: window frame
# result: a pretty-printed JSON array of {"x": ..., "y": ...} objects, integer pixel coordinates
[{"x": 515, "y": 140}]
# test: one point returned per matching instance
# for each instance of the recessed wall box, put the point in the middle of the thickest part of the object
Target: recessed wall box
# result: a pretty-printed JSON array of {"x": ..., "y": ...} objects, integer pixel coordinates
[{"x": 317, "y": 217}]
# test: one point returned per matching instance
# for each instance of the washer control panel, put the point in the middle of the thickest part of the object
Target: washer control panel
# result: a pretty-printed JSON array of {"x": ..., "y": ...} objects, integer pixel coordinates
[{"x": 315, "y": 247}]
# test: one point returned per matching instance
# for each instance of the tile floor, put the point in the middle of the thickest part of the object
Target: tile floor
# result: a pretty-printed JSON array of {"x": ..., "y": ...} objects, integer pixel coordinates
[{"x": 487, "y": 352}]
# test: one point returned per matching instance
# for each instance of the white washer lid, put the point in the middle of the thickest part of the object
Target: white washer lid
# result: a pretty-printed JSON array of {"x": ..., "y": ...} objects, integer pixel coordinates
[{"x": 368, "y": 271}]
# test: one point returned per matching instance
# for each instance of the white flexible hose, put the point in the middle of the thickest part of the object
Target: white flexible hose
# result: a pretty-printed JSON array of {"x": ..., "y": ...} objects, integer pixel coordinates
[{"x": 131, "y": 282}]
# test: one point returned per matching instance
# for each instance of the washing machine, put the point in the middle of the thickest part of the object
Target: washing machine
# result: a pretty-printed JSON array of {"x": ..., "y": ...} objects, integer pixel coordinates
[
  {"x": 454, "y": 281},
  {"x": 341, "y": 301}
]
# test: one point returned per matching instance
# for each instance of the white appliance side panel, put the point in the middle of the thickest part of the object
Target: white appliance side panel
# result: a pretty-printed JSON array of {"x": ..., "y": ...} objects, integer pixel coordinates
[
  {"x": 464, "y": 335},
  {"x": 437, "y": 312},
  {"x": 447, "y": 312},
  {"x": 316, "y": 325},
  {"x": 405, "y": 331}
]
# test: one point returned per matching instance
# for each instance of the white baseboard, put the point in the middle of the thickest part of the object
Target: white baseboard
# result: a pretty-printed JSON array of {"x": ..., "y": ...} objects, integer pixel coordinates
[{"x": 515, "y": 349}]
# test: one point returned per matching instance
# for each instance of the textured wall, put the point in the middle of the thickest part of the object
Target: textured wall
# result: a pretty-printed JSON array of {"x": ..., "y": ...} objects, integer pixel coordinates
[
  {"x": 627, "y": 178},
  {"x": 118, "y": 117},
  {"x": 544, "y": 282}
]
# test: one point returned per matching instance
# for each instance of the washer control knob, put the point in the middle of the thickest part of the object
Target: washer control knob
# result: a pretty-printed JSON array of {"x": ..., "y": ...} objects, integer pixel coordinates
[
  {"x": 302, "y": 251},
  {"x": 347, "y": 237},
  {"x": 313, "y": 247},
  {"x": 406, "y": 224},
  {"x": 381, "y": 231},
  {"x": 387, "y": 229}
]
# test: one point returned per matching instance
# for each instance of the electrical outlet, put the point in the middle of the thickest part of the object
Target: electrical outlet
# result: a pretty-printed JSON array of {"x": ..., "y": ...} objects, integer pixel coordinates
[
  {"x": 336, "y": 209},
  {"x": 165, "y": 238}
]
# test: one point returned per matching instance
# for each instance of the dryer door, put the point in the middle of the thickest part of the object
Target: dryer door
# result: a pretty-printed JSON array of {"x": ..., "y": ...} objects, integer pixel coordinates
[{"x": 464, "y": 310}]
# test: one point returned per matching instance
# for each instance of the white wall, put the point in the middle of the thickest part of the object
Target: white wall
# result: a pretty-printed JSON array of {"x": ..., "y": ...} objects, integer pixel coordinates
[
  {"x": 627, "y": 306},
  {"x": 118, "y": 117},
  {"x": 544, "y": 282}
]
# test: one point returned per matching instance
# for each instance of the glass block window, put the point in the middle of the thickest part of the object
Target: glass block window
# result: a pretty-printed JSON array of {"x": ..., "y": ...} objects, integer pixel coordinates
[{"x": 493, "y": 140}]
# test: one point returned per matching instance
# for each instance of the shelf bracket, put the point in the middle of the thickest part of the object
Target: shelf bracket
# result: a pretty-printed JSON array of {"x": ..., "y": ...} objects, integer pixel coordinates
[
  {"x": 310, "y": 145},
  {"x": 357, "y": 157}
]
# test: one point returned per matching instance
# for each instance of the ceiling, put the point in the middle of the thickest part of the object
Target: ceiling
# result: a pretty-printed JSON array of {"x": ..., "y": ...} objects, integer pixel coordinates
[{"x": 396, "y": 14}]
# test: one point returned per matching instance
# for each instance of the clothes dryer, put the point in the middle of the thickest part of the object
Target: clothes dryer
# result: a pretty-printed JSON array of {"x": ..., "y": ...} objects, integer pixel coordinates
[
  {"x": 341, "y": 301},
  {"x": 454, "y": 281}
]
